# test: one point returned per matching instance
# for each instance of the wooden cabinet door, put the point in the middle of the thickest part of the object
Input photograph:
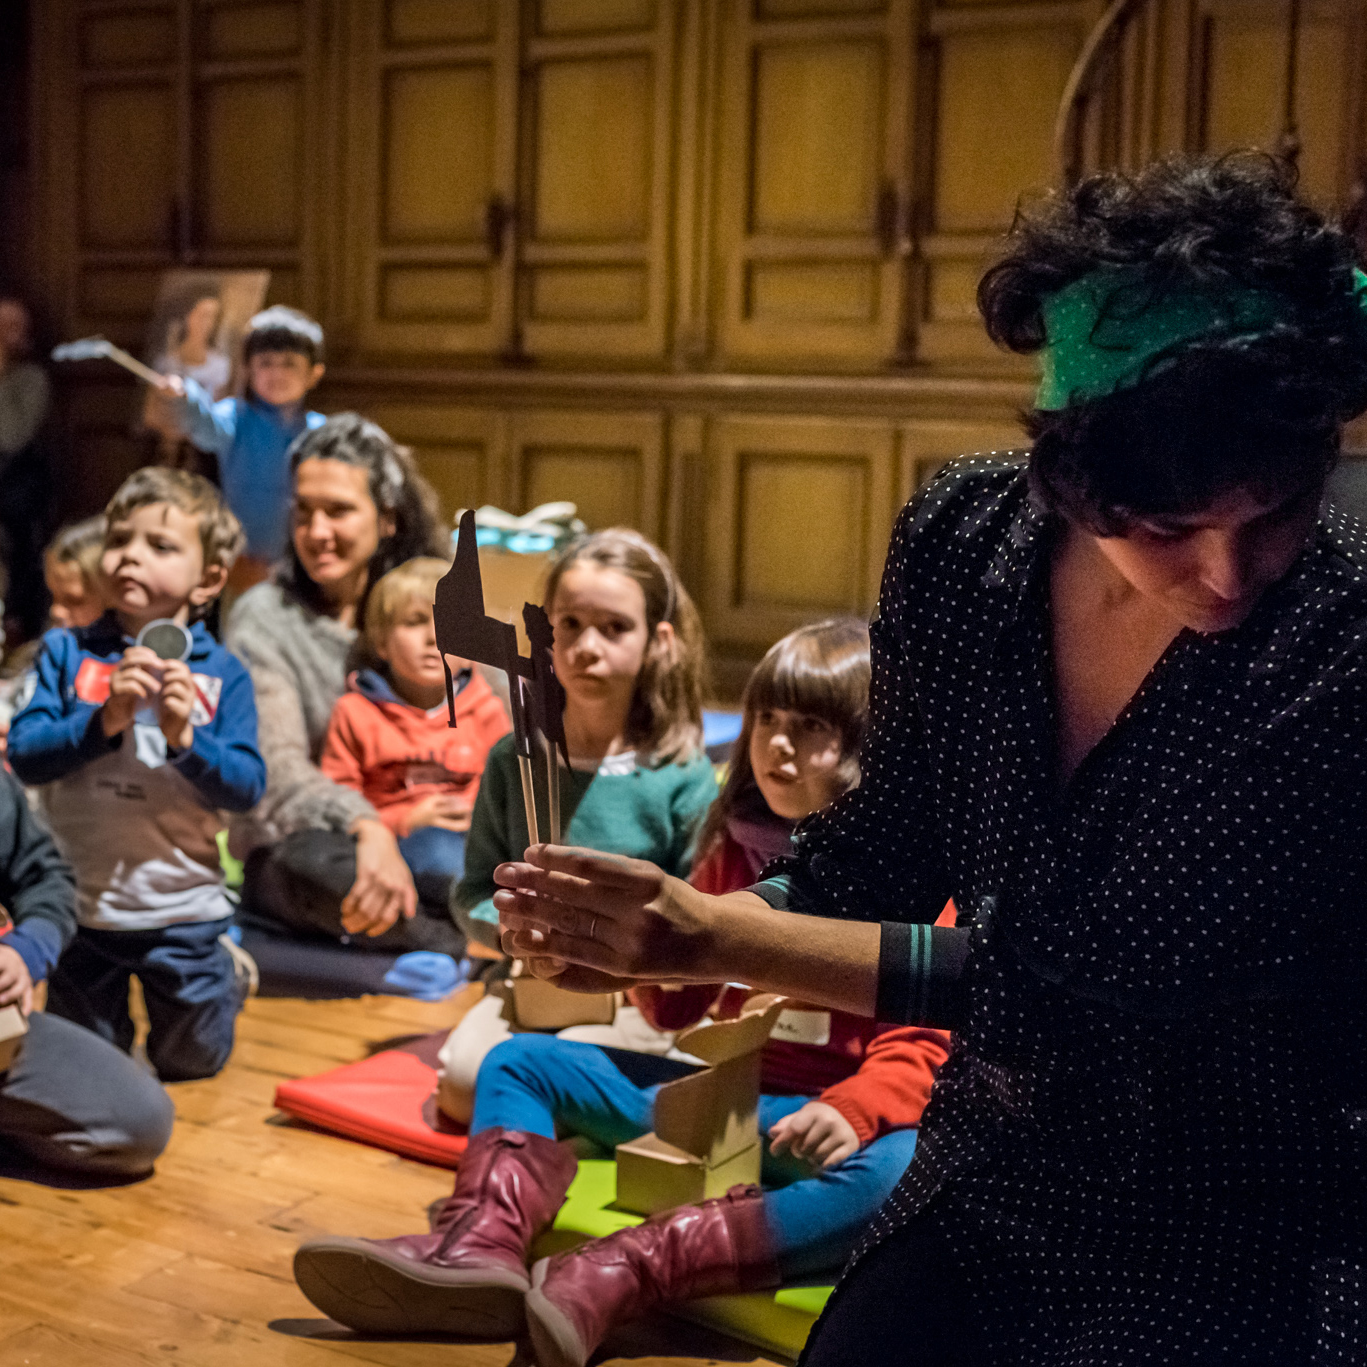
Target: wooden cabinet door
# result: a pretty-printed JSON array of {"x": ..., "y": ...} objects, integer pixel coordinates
[
  {"x": 999, "y": 72},
  {"x": 799, "y": 511},
  {"x": 428, "y": 249},
  {"x": 253, "y": 175},
  {"x": 176, "y": 133},
  {"x": 595, "y": 210},
  {"x": 813, "y": 208},
  {"x": 609, "y": 464},
  {"x": 461, "y": 451},
  {"x": 108, "y": 81}
]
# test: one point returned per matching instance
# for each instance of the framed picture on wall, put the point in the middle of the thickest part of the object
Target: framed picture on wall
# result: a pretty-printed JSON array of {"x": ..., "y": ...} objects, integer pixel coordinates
[
  {"x": 198, "y": 322},
  {"x": 196, "y": 332}
]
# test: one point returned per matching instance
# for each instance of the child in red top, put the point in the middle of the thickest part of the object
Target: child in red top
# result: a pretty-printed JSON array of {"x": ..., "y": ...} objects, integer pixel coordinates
[
  {"x": 842, "y": 1097},
  {"x": 390, "y": 738}
]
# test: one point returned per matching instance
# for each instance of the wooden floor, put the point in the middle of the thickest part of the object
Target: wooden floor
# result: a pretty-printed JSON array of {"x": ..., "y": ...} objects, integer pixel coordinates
[{"x": 192, "y": 1265}]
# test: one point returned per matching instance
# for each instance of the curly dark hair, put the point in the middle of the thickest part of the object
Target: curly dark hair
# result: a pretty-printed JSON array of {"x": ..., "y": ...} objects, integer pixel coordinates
[
  {"x": 395, "y": 486},
  {"x": 1213, "y": 415}
]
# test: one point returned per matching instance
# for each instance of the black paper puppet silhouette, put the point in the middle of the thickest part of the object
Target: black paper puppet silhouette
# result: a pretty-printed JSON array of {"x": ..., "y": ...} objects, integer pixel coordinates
[{"x": 535, "y": 697}]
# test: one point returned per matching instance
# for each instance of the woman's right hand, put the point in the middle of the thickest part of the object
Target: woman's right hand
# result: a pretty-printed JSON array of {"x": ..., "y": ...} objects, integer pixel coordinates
[
  {"x": 599, "y": 923},
  {"x": 383, "y": 890}
]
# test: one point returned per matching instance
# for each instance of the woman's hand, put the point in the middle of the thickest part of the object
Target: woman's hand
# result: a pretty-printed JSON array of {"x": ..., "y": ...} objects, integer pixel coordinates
[
  {"x": 383, "y": 890},
  {"x": 16, "y": 986},
  {"x": 817, "y": 1133},
  {"x": 598, "y": 923},
  {"x": 136, "y": 680}
]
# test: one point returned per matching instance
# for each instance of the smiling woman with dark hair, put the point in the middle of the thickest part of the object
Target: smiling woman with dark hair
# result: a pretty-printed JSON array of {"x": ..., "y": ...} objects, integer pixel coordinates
[
  {"x": 1119, "y": 714},
  {"x": 323, "y": 863}
]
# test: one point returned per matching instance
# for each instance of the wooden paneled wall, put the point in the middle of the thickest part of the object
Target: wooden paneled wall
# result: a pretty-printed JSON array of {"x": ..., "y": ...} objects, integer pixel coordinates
[{"x": 703, "y": 266}]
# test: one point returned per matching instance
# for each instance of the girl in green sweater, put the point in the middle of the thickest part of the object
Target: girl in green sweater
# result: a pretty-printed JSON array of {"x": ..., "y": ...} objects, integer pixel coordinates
[{"x": 629, "y": 653}]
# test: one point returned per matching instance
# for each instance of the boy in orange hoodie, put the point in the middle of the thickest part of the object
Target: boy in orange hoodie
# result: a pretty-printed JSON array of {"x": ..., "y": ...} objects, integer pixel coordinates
[{"x": 389, "y": 736}]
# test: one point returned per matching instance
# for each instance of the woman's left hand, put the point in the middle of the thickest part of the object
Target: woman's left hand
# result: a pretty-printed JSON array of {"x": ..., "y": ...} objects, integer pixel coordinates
[
  {"x": 383, "y": 890},
  {"x": 817, "y": 1133}
]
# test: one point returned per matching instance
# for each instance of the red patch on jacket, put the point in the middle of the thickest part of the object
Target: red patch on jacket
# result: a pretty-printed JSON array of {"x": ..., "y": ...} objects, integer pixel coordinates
[{"x": 92, "y": 680}]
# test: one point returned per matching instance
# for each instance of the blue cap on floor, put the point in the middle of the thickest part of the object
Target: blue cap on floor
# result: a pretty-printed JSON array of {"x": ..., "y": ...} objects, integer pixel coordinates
[{"x": 426, "y": 975}]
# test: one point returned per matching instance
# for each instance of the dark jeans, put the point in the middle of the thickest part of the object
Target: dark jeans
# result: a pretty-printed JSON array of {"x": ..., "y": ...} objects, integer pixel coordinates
[
  {"x": 72, "y": 1101},
  {"x": 188, "y": 984},
  {"x": 296, "y": 887}
]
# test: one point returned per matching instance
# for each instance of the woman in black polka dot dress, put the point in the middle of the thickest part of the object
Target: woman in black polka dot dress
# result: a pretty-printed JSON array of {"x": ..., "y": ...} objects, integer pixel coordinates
[{"x": 1120, "y": 715}]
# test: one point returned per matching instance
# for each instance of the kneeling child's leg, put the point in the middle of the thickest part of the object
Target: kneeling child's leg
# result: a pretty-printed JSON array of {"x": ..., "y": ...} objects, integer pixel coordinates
[
  {"x": 73, "y": 1101},
  {"x": 193, "y": 997}
]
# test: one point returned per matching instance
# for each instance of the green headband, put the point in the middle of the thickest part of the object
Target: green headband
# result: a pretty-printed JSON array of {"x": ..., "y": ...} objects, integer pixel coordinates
[{"x": 1104, "y": 329}]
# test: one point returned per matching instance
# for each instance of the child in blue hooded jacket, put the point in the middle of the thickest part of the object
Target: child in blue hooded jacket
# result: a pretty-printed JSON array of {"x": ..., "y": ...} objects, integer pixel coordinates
[
  {"x": 283, "y": 355},
  {"x": 138, "y": 756}
]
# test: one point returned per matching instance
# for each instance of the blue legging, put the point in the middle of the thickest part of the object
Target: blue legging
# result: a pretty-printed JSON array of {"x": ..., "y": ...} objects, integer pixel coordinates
[{"x": 542, "y": 1084}]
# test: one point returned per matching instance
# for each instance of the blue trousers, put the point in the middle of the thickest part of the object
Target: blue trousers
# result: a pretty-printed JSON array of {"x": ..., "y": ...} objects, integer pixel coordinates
[
  {"x": 436, "y": 859},
  {"x": 546, "y": 1086},
  {"x": 187, "y": 982}
]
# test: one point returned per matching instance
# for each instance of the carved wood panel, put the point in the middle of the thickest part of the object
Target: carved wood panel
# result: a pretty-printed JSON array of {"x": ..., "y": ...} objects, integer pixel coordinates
[
  {"x": 815, "y": 181},
  {"x": 432, "y": 176}
]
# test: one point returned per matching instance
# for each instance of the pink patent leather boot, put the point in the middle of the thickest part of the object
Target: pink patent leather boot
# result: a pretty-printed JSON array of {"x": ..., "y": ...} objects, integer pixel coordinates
[
  {"x": 468, "y": 1275},
  {"x": 705, "y": 1250}
]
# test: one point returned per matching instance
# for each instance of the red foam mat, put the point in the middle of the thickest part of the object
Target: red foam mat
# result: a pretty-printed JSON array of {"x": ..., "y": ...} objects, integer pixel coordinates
[{"x": 388, "y": 1100}]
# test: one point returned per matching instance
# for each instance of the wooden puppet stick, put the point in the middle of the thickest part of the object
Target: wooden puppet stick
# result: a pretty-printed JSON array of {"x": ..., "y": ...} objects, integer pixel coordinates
[
  {"x": 548, "y": 706},
  {"x": 98, "y": 349}
]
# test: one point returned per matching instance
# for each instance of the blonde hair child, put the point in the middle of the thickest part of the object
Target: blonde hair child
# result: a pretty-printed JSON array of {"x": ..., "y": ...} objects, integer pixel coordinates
[{"x": 389, "y": 740}]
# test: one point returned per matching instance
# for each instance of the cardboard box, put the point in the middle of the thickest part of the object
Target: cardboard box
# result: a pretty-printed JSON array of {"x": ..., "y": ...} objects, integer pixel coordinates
[
  {"x": 706, "y": 1137},
  {"x": 13, "y": 1028},
  {"x": 533, "y": 1004}
]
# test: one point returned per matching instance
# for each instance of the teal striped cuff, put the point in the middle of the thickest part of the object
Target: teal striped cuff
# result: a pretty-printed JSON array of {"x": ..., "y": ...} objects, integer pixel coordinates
[{"x": 920, "y": 974}]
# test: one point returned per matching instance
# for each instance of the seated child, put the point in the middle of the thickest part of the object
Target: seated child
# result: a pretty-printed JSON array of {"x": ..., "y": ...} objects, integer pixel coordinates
[
  {"x": 842, "y": 1098},
  {"x": 283, "y": 354},
  {"x": 390, "y": 737},
  {"x": 71, "y": 568},
  {"x": 70, "y": 1101},
  {"x": 629, "y": 653},
  {"x": 139, "y": 756}
]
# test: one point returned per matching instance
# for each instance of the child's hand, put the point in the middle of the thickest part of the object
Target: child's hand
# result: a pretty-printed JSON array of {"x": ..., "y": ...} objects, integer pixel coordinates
[
  {"x": 817, "y": 1133},
  {"x": 171, "y": 386},
  {"x": 136, "y": 680},
  {"x": 16, "y": 987},
  {"x": 177, "y": 702},
  {"x": 446, "y": 810}
]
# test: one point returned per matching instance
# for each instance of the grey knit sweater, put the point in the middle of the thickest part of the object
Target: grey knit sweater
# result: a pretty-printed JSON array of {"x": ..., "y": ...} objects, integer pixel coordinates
[{"x": 298, "y": 662}]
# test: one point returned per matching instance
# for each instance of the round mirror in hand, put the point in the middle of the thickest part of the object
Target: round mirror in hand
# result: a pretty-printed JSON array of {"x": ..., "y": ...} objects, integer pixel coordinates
[{"x": 167, "y": 639}]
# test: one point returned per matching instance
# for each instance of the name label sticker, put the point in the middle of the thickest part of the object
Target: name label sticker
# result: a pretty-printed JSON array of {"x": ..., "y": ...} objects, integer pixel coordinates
[{"x": 803, "y": 1027}]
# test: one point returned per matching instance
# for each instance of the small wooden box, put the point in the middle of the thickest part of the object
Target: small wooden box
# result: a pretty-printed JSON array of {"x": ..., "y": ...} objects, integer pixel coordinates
[
  {"x": 653, "y": 1176},
  {"x": 534, "y": 1004},
  {"x": 706, "y": 1137}
]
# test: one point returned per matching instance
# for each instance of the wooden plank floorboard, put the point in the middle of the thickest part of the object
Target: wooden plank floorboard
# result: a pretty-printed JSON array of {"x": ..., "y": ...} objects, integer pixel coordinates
[{"x": 193, "y": 1265}]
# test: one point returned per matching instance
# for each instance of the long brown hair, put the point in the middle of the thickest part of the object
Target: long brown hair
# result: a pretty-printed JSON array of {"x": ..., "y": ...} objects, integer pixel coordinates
[
  {"x": 820, "y": 670},
  {"x": 665, "y": 719}
]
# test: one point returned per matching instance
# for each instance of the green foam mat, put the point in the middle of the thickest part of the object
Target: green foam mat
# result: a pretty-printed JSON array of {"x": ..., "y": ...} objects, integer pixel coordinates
[{"x": 778, "y": 1322}]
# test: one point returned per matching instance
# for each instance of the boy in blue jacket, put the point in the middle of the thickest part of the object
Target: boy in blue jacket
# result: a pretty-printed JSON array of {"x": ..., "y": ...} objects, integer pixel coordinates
[
  {"x": 283, "y": 354},
  {"x": 139, "y": 756}
]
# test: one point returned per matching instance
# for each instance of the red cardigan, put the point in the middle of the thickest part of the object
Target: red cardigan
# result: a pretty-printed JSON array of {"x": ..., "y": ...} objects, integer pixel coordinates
[{"x": 877, "y": 1076}]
